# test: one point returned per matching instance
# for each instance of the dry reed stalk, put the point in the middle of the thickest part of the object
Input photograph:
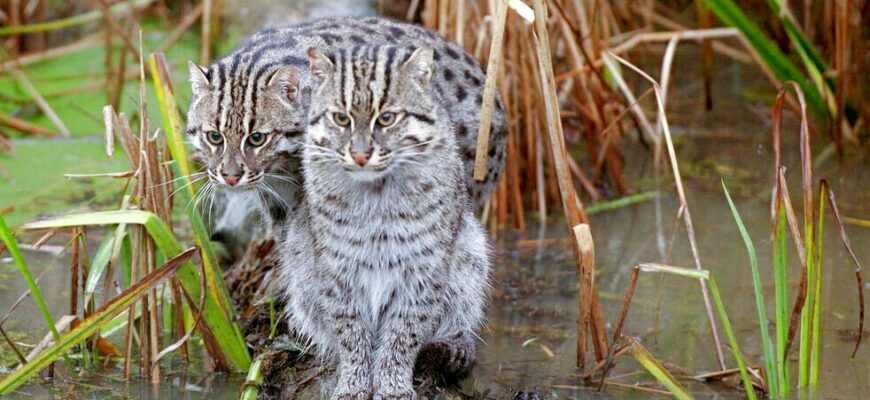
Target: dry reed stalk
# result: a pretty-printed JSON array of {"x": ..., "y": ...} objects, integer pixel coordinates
[
  {"x": 12, "y": 346},
  {"x": 585, "y": 273},
  {"x": 704, "y": 22},
  {"x": 459, "y": 32},
  {"x": 113, "y": 25},
  {"x": 37, "y": 97},
  {"x": 14, "y": 41},
  {"x": 492, "y": 67},
  {"x": 24, "y": 126},
  {"x": 612, "y": 352},
  {"x": 205, "y": 33},
  {"x": 32, "y": 58},
  {"x": 74, "y": 273},
  {"x": 182, "y": 27},
  {"x": 715, "y": 44},
  {"x": 684, "y": 206},
  {"x": 570, "y": 203}
]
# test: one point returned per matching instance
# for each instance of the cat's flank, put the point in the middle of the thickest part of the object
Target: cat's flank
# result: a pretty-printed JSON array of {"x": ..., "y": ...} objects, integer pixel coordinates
[
  {"x": 383, "y": 261},
  {"x": 248, "y": 110}
]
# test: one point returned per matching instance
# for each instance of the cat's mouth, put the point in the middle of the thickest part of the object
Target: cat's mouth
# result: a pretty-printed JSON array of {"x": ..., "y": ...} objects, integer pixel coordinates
[
  {"x": 366, "y": 173},
  {"x": 236, "y": 183}
]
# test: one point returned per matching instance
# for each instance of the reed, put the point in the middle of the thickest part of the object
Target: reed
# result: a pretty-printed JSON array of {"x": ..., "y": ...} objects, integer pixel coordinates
[
  {"x": 773, "y": 376},
  {"x": 92, "y": 324}
]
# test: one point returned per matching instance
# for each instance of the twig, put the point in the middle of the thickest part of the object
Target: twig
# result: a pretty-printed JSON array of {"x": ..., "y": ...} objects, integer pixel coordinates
[
  {"x": 32, "y": 58},
  {"x": 24, "y": 126},
  {"x": 40, "y": 101}
]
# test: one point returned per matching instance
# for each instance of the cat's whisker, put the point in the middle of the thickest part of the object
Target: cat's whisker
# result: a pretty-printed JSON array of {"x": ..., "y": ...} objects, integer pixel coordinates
[
  {"x": 424, "y": 143},
  {"x": 186, "y": 185},
  {"x": 282, "y": 178},
  {"x": 195, "y": 174},
  {"x": 271, "y": 191}
]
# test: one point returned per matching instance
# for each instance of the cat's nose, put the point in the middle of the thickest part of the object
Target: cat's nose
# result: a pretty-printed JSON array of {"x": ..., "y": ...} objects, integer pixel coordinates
[
  {"x": 361, "y": 158},
  {"x": 232, "y": 180}
]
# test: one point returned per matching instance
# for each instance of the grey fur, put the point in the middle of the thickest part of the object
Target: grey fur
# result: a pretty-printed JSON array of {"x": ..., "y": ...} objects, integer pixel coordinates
[
  {"x": 264, "y": 86},
  {"x": 384, "y": 260}
]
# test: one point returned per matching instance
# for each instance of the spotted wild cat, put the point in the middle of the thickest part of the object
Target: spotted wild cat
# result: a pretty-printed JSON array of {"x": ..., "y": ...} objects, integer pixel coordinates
[
  {"x": 384, "y": 261},
  {"x": 248, "y": 110}
]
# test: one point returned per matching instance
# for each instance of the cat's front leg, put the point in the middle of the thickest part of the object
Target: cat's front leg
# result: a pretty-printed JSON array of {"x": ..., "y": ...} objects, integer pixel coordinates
[
  {"x": 354, "y": 353},
  {"x": 405, "y": 326}
]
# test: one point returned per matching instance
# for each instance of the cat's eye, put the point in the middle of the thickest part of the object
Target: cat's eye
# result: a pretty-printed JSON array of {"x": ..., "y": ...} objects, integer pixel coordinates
[
  {"x": 214, "y": 137},
  {"x": 386, "y": 119},
  {"x": 341, "y": 119},
  {"x": 257, "y": 139}
]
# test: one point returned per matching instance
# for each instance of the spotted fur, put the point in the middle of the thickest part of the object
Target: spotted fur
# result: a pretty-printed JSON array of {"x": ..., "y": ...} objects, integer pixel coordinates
[
  {"x": 384, "y": 260},
  {"x": 264, "y": 87}
]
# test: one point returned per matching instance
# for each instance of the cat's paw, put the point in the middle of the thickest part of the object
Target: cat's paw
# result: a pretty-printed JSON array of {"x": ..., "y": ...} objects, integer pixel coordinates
[
  {"x": 358, "y": 395},
  {"x": 408, "y": 394}
]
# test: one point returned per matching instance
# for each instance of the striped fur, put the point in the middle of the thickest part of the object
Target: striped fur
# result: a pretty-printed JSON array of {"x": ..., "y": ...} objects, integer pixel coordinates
[
  {"x": 249, "y": 91},
  {"x": 384, "y": 261}
]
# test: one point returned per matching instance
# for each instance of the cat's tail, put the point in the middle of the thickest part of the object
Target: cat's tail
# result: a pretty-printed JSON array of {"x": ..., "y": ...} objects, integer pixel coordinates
[{"x": 447, "y": 361}]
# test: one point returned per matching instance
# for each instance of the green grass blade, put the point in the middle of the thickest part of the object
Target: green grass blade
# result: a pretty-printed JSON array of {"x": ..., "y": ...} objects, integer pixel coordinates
[
  {"x": 15, "y": 252},
  {"x": 783, "y": 68},
  {"x": 660, "y": 373},
  {"x": 93, "y": 323},
  {"x": 224, "y": 329},
  {"x": 109, "y": 248},
  {"x": 732, "y": 340},
  {"x": 621, "y": 202},
  {"x": 780, "y": 273},
  {"x": 769, "y": 357},
  {"x": 804, "y": 359},
  {"x": 686, "y": 272},
  {"x": 816, "y": 347}
]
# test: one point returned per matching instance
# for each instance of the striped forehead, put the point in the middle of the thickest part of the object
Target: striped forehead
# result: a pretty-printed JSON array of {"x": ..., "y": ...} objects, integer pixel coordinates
[
  {"x": 235, "y": 95},
  {"x": 364, "y": 76}
]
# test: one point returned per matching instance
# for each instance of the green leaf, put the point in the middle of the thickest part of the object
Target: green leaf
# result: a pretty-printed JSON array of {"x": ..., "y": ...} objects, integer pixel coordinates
[
  {"x": 767, "y": 346},
  {"x": 215, "y": 314},
  {"x": 660, "y": 373},
  {"x": 774, "y": 59},
  {"x": 12, "y": 246},
  {"x": 91, "y": 325}
]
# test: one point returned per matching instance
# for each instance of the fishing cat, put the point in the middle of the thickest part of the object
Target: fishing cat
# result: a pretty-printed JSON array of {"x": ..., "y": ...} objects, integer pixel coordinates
[
  {"x": 249, "y": 110},
  {"x": 384, "y": 261}
]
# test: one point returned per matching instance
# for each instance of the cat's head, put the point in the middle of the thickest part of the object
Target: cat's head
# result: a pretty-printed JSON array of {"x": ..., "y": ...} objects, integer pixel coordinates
[
  {"x": 244, "y": 120},
  {"x": 373, "y": 110}
]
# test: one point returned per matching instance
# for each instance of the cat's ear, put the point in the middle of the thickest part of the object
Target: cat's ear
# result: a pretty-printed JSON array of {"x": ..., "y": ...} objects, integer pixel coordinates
[
  {"x": 320, "y": 64},
  {"x": 285, "y": 82},
  {"x": 198, "y": 78},
  {"x": 420, "y": 64}
]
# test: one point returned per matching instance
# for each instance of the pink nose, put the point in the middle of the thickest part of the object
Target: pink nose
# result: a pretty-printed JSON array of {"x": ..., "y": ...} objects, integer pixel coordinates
[
  {"x": 232, "y": 180},
  {"x": 360, "y": 158}
]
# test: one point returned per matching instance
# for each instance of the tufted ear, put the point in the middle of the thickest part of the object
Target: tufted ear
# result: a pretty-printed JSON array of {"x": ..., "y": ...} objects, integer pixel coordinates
[
  {"x": 420, "y": 64},
  {"x": 285, "y": 81},
  {"x": 198, "y": 77},
  {"x": 320, "y": 64}
]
